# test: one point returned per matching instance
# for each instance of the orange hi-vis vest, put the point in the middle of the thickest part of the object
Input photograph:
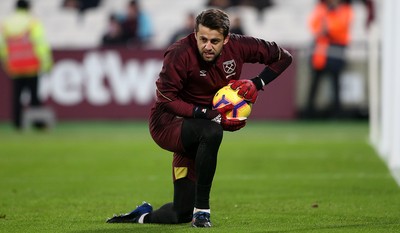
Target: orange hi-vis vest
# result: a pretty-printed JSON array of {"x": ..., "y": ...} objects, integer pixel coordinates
[
  {"x": 22, "y": 59},
  {"x": 329, "y": 27},
  {"x": 24, "y": 50}
]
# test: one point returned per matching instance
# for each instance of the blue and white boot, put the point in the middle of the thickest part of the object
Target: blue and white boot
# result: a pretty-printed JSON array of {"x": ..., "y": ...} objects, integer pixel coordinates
[
  {"x": 201, "y": 219},
  {"x": 133, "y": 216}
]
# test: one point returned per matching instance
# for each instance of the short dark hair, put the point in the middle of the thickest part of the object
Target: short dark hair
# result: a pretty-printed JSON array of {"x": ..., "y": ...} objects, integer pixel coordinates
[
  {"x": 214, "y": 19},
  {"x": 23, "y": 4}
]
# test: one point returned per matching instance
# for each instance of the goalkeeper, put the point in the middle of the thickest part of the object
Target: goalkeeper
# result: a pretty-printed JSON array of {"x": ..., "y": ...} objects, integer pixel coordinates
[{"x": 182, "y": 120}]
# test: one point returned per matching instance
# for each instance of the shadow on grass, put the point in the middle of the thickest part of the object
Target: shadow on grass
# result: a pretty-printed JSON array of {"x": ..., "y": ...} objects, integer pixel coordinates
[
  {"x": 142, "y": 228},
  {"x": 370, "y": 226}
]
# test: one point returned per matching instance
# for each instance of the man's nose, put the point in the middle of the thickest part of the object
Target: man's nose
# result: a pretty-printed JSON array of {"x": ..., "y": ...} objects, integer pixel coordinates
[{"x": 208, "y": 46}]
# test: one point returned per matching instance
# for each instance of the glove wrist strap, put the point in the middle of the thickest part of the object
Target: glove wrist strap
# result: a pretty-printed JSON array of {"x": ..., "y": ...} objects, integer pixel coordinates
[
  {"x": 266, "y": 76},
  {"x": 199, "y": 112},
  {"x": 205, "y": 113},
  {"x": 258, "y": 82}
]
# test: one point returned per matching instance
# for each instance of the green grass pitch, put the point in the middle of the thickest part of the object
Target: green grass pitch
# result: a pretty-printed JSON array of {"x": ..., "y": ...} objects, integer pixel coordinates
[{"x": 271, "y": 177}]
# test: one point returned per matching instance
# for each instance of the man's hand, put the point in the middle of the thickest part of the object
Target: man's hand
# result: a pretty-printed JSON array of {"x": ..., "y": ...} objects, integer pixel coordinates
[
  {"x": 219, "y": 116},
  {"x": 232, "y": 124},
  {"x": 215, "y": 115},
  {"x": 247, "y": 89}
]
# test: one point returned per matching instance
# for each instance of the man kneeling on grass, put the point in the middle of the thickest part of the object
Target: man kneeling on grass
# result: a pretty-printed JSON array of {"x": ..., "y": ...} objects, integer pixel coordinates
[{"x": 182, "y": 120}]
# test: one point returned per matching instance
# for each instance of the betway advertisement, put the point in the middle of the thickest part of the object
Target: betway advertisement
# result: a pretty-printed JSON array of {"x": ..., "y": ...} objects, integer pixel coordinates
[{"x": 120, "y": 84}]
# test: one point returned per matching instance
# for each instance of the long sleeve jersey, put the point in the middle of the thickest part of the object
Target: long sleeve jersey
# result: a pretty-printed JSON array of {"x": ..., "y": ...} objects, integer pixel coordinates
[{"x": 186, "y": 80}]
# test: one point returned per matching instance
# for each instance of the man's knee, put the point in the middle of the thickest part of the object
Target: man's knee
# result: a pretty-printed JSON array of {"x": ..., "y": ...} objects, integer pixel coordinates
[
  {"x": 215, "y": 129},
  {"x": 197, "y": 131},
  {"x": 211, "y": 131}
]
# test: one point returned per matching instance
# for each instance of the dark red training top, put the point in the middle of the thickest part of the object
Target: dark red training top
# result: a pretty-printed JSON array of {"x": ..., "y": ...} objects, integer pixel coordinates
[{"x": 186, "y": 80}]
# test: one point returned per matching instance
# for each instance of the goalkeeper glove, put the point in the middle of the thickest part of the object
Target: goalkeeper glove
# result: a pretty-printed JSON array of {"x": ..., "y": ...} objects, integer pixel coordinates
[
  {"x": 232, "y": 124},
  {"x": 219, "y": 116},
  {"x": 247, "y": 89}
]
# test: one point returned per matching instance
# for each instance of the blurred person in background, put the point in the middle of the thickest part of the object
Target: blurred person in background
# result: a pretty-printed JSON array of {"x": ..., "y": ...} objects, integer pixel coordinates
[
  {"x": 259, "y": 5},
  {"x": 220, "y": 4},
  {"x": 236, "y": 27},
  {"x": 114, "y": 34},
  {"x": 25, "y": 54},
  {"x": 80, "y": 5},
  {"x": 187, "y": 28},
  {"x": 330, "y": 23},
  {"x": 136, "y": 25},
  {"x": 370, "y": 7},
  {"x": 71, "y": 4},
  {"x": 183, "y": 121}
]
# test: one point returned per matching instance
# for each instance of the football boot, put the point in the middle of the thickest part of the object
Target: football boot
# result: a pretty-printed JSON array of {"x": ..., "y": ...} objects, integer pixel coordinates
[
  {"x": 201, "y": 219},
  {"x": 133, "y": 216}
]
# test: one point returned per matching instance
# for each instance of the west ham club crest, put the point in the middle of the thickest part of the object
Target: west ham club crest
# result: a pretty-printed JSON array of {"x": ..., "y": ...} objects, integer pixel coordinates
[{"x": 229, "y": 66}]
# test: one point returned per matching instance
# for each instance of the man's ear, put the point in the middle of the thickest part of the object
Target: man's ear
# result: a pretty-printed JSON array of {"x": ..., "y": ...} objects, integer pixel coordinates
[{"x": 226, "y": 39}]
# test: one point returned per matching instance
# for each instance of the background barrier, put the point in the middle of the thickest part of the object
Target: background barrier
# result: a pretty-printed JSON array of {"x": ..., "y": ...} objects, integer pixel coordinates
[{"x": 120, "y": 84}]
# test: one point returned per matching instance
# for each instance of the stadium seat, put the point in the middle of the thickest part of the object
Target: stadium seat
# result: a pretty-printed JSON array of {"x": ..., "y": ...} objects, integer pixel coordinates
[{"x": 291, "y": 14}]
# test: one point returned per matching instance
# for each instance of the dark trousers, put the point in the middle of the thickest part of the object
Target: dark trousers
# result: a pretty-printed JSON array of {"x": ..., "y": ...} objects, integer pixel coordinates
[
  {"x": 196, "y": 150},
  {"x": 19, "y": 85},
  {"x": 333, "y": 70}
]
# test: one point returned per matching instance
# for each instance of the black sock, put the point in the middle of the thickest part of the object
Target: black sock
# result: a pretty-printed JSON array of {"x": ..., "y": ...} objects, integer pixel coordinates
[
  {"x": 164, "y": 215},
  {"x": 203, "y": 196}
]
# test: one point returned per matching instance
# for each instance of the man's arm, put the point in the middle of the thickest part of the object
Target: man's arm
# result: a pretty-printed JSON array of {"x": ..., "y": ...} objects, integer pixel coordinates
[
  {"x": 175, "y": 105},
  {"x": 274, "y": 69},
  {"x": 275, "y": 58}
]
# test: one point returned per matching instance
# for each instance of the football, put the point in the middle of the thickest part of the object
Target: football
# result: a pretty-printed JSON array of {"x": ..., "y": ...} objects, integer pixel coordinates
[{"x": 226, "y": 95}]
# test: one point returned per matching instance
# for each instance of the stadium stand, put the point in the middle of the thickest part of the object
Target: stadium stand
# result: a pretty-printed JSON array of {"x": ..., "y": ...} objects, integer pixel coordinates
[{"x": 69, "y": 29}]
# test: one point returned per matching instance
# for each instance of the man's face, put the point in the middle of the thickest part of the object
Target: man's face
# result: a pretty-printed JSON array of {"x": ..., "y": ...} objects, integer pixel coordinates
[{"x": 210, "y": 43}]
